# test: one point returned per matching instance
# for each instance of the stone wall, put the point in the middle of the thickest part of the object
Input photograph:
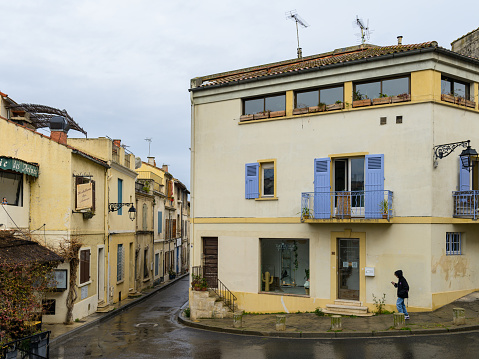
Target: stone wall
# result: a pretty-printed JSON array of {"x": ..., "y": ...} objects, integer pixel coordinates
[{"x": 468, "y": 44}]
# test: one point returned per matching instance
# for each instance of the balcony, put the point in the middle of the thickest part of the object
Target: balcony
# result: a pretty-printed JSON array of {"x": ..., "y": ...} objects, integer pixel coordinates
[
  {"x": 347, "y": 205},
  {"x": 147, "y": 175},
  {"x": 466, "y": 204}
]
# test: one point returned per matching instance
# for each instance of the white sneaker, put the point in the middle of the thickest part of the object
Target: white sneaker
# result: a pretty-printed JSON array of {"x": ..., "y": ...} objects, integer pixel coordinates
[{"x": 406, "y": 317}]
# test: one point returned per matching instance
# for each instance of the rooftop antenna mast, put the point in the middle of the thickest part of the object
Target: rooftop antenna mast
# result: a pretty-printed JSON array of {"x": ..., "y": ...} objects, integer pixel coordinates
[
  {"x": 298, "y": 20},
  {"x": 148, "y": 139},
  {"x": 365, "y": 32}
]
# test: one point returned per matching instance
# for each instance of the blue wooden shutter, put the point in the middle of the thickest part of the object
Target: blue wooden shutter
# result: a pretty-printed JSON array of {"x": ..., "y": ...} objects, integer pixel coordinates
[
  {"x": 322, "y": 188},
  {"x": 160, "y": 222},
  {"x": 252, "y": 180},
  {"x": 374, "y": 186},
  {"x": 120, "y": 195},
  {"x": 464, "y": 178}
]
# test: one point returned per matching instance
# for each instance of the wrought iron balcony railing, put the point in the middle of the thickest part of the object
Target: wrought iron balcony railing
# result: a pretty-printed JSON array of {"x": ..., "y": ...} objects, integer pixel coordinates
[
  {"x": 347, "y": 204},
  {"x": 466, "y": 204}
]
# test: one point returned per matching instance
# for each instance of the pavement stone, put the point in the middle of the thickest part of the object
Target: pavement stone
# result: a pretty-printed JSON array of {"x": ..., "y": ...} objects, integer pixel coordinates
[{"x": 309, "y": 325}]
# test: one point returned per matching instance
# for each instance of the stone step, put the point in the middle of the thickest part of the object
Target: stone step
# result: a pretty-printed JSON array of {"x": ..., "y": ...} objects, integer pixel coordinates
[
  {"x": 348, "y": 302},
  {"x": 105, "y": 309}
]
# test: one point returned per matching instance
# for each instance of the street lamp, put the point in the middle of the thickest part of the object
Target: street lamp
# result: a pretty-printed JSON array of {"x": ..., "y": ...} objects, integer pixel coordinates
[
  {"x": 113, "y": 207},
  {"x": 441, "y": 151}
]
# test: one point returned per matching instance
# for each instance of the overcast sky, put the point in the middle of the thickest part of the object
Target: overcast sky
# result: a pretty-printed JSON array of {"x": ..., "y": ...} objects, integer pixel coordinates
[{"x": 122, "y": 68}]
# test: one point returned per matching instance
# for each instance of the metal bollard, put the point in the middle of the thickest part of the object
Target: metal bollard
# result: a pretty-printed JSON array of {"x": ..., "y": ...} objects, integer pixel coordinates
[{"x": 281, "y": 323}]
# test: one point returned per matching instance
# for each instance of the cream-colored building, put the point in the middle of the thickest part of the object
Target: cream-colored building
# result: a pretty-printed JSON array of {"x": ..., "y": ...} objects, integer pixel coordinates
[
  {"x": 293, "y": 163},
  {"x": 55, "y": 192},
  {"x": 170, "y": 216}
]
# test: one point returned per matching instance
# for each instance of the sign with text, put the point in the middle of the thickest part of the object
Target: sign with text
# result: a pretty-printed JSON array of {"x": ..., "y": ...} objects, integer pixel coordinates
[
  {"x": 19, "y": 166},
  {"x": 84, "y": 196}
]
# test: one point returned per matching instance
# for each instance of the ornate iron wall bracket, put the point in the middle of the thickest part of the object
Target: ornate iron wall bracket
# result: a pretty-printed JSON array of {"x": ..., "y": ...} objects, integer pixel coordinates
[
  {"x": 113, "y": 207},
  {"x": 441, "y": 151}
]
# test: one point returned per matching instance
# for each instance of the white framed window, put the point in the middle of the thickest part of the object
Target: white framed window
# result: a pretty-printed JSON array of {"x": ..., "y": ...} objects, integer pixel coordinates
[{"x": 453, "y": 243}]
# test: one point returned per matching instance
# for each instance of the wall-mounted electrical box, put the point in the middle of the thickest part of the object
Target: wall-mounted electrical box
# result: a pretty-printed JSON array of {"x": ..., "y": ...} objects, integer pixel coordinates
[{"x": 369, "y": 271}]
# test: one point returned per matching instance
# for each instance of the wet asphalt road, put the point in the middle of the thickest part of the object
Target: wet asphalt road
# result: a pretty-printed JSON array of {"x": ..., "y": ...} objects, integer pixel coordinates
[{"x": 150, "y": 330}]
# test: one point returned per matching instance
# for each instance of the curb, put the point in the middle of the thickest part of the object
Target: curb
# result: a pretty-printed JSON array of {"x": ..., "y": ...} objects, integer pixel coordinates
[
  {"x": 113, "y": 313},
  {"x": 329, "y": 335}
]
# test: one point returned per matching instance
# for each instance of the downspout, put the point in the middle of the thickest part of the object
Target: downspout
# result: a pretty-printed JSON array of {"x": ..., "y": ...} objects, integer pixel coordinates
[
  {"x": 192, "y": 182},
  {"x": 107, "y": 230}
]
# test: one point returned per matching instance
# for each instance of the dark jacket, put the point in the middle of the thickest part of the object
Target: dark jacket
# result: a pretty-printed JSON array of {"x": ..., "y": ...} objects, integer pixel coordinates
[{"x": 402, "y": 285}]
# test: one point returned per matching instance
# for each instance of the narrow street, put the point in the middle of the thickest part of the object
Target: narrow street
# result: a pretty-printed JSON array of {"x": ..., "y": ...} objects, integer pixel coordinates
[{"x": 150, "y": 330}]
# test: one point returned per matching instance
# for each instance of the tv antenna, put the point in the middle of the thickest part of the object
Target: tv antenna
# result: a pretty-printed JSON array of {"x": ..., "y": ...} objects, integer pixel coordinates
[
  {"x": 365, "y": 32},
  {"x": 298, "y": 20},
  {"x": 148, "y": 139}
]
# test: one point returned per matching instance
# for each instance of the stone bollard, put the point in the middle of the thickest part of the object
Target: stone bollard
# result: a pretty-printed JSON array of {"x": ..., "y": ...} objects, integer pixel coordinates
[
  {"x": 281, "y": 323},
  {"x": 336, "y": 323},
  {"x": 237, "y": 320},
  {"x": 399, "y": 321},
  {"x": 459, "y": 316}
]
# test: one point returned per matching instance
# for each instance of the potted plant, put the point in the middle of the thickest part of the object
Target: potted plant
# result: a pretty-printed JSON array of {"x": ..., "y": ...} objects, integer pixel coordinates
[
  {"x": 88, "y": 214},
  {"x": 246, "y": 117},
  {"x": 360, "y": 100},
  {"x": 338, "y": 105},
  {"x": 199, "y": 283},
  {"x": 305, "y": 212},
  {"x": 384, "y": 207},
  {"x": 448, "y": 97},
  {"x": 320, "y": 108},
  {"x": 300, "y": 110},
  {"x": 401, "y": 98},
  {"x": 306, "y": 284},
  {"x": 273, "y": 114},
  {"x": 261, "y": 115},
  {"x": 383, "y": 99}
]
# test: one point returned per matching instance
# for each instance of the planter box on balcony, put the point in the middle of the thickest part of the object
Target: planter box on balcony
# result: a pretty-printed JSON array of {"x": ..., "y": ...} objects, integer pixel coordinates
[
  {"x": 261, "y": 115},
  {"x": 300, "y": 111},
  {"x": 246, "y": 117},
  {"x": 316, "y": 109},
  {"x": 362, "y": 103},
  {"x": 335, "y": 106},
  {"x": 448, "y": 98},
  {"x": 277, "y": 114},
  {"x": 401, "y": 98},
  {"x": 381, "y": 100},
  {"x": 471, "y": 104}
]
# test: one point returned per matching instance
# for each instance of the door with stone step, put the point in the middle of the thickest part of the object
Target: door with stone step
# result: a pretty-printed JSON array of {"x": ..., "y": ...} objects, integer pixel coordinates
[
  {"x": 210, "y": 260},
  {"x": 348, "y": 268}
]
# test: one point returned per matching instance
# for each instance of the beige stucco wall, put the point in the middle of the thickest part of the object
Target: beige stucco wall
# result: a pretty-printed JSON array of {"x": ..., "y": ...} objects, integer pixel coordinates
[{"x": 414, "y": 240}]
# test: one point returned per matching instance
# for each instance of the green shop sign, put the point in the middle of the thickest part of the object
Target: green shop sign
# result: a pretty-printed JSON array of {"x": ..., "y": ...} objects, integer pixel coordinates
[{"x": 8, "y": 163}]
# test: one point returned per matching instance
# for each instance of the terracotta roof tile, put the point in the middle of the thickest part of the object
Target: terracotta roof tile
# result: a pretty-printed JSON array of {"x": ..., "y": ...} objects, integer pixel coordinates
[{"x": 310, "y": 62}]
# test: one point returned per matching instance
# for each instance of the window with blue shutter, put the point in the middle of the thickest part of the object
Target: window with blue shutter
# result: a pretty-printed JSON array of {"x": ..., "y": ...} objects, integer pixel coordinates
[
  {"x": 374, "y": 186},
  {"x": 322, "y": 188},
  {"x": 160, "y": 222},
  {"x": 120, "y": 195},
  {"x": 252, "y": 180},
  {"x": 464, "y": 178}
]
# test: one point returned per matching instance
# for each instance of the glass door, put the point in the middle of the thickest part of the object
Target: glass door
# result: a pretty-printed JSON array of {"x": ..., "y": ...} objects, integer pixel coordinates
[{"x": 348, "y": 269}]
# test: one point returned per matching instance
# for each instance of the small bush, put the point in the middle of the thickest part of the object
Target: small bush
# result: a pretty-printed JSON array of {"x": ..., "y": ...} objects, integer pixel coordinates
[
  {"x": 319, "y": 312},
  {"x": 187, "y": 312},
  {"x": 379, "y": 304}
]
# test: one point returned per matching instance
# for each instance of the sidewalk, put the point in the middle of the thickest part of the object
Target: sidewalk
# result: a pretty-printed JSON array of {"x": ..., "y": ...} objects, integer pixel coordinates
[
  {"x": 60, "y": 332},
  {"x": 309, "y": 325}
]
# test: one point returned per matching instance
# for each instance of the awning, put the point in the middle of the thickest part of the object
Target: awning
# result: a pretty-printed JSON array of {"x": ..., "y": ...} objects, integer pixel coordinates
[{"x": 19, "y": 166}]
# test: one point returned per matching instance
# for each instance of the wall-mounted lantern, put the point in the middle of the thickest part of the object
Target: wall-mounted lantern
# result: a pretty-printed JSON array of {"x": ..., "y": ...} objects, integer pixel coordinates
[
  {"x": 113, "y": 207},
  {"x": 441, "y": 151}
]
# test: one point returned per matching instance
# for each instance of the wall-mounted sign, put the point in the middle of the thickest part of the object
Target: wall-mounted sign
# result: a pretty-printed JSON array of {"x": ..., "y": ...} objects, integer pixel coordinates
[
  {"x": 84, "y": 196},
  {"x": 19, "y": 166}
]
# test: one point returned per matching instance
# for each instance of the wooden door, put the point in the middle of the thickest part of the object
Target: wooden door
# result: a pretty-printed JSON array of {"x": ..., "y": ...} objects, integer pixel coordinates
[{"x": 210, "y": 260}]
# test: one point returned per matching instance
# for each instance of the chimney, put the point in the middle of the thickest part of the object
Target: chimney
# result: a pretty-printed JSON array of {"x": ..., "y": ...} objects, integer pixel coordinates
[
  {"x": 117, "y": 143},
  {"x": 59, "y": 128},
  {"x": 151, "y": 161},
  {"x": 165, "y": 168},
  {"x": 399, "y": 40}
]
